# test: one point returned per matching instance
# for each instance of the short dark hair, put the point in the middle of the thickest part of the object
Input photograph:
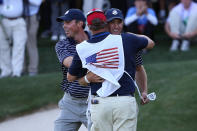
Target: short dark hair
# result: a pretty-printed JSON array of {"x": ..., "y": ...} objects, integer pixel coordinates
[{"x": 97, "y": 24}]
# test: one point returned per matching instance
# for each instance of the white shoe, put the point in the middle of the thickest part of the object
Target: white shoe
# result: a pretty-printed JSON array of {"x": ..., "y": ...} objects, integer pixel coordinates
[
  {"x": 54, "y": 37},
  {"x": 16, "y": 75},
  {"x": 62, "y": 37},
  {"x": 185, "y": 45},
  {"x": 4, "y": 75},
  {"x": 174, "y": 46}
]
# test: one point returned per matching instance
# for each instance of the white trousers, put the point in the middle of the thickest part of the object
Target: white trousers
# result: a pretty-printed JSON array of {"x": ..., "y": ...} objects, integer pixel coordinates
[
  {"x": 12, "y": 58},
  {"x": 118, "y": 113},
  {"x": 32, "y": 49},
  {"x": 177, "y": 26}
]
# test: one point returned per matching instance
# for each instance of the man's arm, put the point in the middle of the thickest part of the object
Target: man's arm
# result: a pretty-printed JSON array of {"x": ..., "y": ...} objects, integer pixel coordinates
[
  {"x": 141, "y": 79},
  {"x": 63, "y": 54},
  {"x": 71, "y": 78},
  {"x": 152, "y": 18},
  {"x": 150, "y": 44},
  {"x": 177, "y": 36},
  {"x": 131, "y": 16},
  {"x": 67, "y": 61},
  {"x": 75, "y": 68},
  {"x": 90, "y": 78},
  {"x": 169, "y": 33},
  {"x": 190, "y": 34}
]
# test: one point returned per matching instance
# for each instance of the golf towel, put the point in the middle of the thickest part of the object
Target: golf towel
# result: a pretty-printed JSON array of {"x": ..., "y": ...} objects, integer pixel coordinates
[{"x": 105, "y": 59}]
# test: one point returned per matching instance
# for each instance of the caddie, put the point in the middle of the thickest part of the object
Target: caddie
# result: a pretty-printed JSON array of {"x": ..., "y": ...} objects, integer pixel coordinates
[{"x": 112, "y": 57}]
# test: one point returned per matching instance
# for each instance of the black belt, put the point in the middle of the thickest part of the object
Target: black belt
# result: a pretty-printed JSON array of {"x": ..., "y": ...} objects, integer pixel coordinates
[
  {"x": 112, "y": 95},
  {"x": 13, "y": 18},
  {"x": 121, "y": 95},
  {"x": 95, "y": 101}
]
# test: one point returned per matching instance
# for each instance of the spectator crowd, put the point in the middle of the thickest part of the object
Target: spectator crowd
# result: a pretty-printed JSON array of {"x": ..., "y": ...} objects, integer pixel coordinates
[{"x": 20, "y": 20}]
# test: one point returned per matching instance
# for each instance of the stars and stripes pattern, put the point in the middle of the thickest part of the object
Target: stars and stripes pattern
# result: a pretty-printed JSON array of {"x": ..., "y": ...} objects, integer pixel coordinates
[{"x": 106, "y": 58}]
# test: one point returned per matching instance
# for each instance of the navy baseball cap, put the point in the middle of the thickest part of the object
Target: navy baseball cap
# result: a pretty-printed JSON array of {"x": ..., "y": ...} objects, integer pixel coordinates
[
  {"x": 113, "y": 13},
  {"x": 72, "y": 14}
]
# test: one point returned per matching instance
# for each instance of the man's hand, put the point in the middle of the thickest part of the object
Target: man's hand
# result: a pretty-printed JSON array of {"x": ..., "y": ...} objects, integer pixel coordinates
[
  {"x": 188, "y": 35},
  {"x": 139, "y": 11},
  {"x": 174, "y": 35},
  {"x": 68, "y": 61},
  {"x": 144, "y": 99},
  {"x": 93, "y": 77},
  {"x": 144, "y": 9}
]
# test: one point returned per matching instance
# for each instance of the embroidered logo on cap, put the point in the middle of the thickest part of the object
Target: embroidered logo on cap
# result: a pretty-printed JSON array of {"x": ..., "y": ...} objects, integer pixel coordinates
[
  {"x": 114, "y": 12},
  {"x": 66, "y": 12}
]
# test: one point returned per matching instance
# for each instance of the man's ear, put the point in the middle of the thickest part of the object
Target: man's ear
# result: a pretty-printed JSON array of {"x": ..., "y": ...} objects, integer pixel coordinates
[{"x": 80, "y": 23}]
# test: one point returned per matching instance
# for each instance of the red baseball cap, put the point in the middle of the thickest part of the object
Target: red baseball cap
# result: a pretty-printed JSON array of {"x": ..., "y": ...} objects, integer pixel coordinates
[{"x": 95, "y": 13}]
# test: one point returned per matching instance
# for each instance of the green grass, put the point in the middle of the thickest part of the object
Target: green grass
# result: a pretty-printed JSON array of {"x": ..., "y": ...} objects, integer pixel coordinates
[
  {"x": 48, "y": 60},
  {"x": 25, "y": 94},
  {"x": 173, "y": 76},
  {"x": 175, "y": 107}
]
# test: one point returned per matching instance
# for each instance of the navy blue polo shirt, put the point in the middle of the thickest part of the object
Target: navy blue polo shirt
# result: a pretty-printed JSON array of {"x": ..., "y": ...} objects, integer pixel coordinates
[{"x": 132, "y": 44}]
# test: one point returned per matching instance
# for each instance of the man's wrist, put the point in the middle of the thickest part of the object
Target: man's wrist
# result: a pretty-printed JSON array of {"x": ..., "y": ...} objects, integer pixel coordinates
[{"x": 144, "y": 92}]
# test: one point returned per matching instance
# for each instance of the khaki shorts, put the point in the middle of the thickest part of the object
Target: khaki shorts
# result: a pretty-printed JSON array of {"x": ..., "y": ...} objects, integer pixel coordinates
[{"x": 118, "y": 113}]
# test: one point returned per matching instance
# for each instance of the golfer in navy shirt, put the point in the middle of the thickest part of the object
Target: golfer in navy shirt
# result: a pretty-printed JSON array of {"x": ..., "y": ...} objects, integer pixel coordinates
[
  {"x": 73, "y": 105},
  {"x": 118, "y": 110}
]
